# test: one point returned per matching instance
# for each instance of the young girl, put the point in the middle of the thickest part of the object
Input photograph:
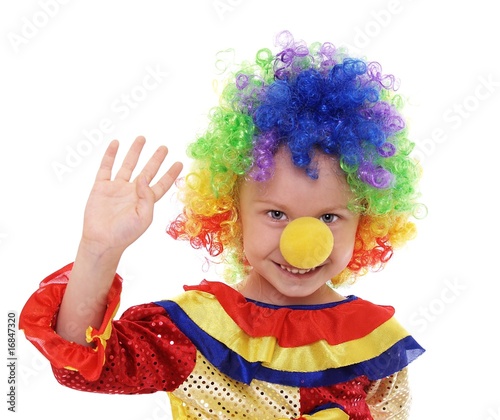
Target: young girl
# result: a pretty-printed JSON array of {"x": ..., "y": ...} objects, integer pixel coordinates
[{"x": 302, "y": 182}]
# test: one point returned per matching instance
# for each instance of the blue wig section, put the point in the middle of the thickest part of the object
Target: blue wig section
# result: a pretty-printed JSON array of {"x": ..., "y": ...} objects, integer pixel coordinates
[{"x": 335, "y": 113}]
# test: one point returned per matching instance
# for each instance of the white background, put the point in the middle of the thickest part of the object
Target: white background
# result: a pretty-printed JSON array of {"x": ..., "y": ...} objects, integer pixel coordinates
[{"x": 64, "y": 70}]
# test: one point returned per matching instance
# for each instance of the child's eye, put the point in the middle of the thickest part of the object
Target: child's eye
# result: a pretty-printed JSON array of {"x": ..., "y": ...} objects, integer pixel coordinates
[
  {"x": 277, "y": 215},
  {"x": 329, "y": 218}
]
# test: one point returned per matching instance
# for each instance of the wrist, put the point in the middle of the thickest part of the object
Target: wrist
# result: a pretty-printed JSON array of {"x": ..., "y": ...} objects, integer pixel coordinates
[
  {"x": 96, "y": 265},
  {"x": 85, "y": 298},
  {"x": 93, "y": 250}
]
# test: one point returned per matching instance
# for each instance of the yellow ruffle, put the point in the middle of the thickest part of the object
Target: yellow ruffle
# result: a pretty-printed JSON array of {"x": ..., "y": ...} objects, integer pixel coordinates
[
  {"x": 102, "y": 334},
  {"x": 203, "y": 309}
]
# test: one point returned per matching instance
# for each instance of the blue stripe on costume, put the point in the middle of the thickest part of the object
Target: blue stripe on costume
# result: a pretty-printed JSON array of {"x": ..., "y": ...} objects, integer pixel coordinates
[
  {"x": 348, "y": 299},
  {"x": 325, "y": 407},
  {"x": 235, "y": 366}
]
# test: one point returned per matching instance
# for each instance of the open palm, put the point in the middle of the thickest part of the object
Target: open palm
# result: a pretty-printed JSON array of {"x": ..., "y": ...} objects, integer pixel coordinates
[{"x": 119, "y": 210}]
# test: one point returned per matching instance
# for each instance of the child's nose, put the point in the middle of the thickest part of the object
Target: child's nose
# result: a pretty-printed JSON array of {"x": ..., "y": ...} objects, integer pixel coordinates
[{"x": 306, "y": 242}]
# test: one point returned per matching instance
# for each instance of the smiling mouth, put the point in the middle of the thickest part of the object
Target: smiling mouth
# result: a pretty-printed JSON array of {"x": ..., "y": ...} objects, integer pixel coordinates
[{"x": 297, "y": 270}]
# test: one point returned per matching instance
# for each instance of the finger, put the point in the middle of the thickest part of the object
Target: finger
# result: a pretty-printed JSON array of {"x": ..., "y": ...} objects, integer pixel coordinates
[
  {"x": 166, "y": 181},
  {"x": 143, "y": 190},
  {"x": 104, "y": 172},
  {"x": 131, "y": 159},
  {"x": 153, "y": 165}
]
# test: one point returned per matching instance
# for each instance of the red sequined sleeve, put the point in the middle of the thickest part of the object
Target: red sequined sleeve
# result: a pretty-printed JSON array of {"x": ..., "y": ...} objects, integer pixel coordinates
[{"x": 142, "y": 352}]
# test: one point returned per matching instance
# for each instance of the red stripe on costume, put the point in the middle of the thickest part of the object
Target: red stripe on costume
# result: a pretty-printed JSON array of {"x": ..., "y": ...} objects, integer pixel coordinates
[{"x": 297, "y": 327}]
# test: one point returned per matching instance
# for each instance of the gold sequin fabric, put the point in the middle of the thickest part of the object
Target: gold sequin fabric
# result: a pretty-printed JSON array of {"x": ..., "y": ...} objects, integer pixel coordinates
[{"x": 209, "y": 394}]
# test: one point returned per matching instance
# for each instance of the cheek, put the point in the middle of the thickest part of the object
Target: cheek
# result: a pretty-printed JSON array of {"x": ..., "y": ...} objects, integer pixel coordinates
[
  {"x": 344, "y": 246},
  {"x": 341, "y": 254},
  {"x": 260, "y": 239},
  {"x": 251, "y": 239}
]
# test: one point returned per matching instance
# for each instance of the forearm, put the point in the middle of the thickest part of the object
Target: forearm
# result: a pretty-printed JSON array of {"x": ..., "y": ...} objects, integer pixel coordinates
[{"x": 84, "y": 301}]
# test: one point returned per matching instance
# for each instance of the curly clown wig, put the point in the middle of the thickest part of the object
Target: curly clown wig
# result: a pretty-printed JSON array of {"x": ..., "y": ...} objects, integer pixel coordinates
[{"x": 308, "y": 98}]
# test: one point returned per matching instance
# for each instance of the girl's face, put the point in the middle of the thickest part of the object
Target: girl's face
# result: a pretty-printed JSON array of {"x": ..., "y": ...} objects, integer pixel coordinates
[{"x": 267, "y": 207}]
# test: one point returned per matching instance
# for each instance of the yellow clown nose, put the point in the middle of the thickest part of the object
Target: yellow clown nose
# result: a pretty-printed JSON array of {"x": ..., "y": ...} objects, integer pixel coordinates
[{"x": 306, "y": 242}]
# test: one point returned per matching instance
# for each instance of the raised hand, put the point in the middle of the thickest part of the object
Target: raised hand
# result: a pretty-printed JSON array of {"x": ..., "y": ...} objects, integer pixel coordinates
[{"x": 119, "y": 210}]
